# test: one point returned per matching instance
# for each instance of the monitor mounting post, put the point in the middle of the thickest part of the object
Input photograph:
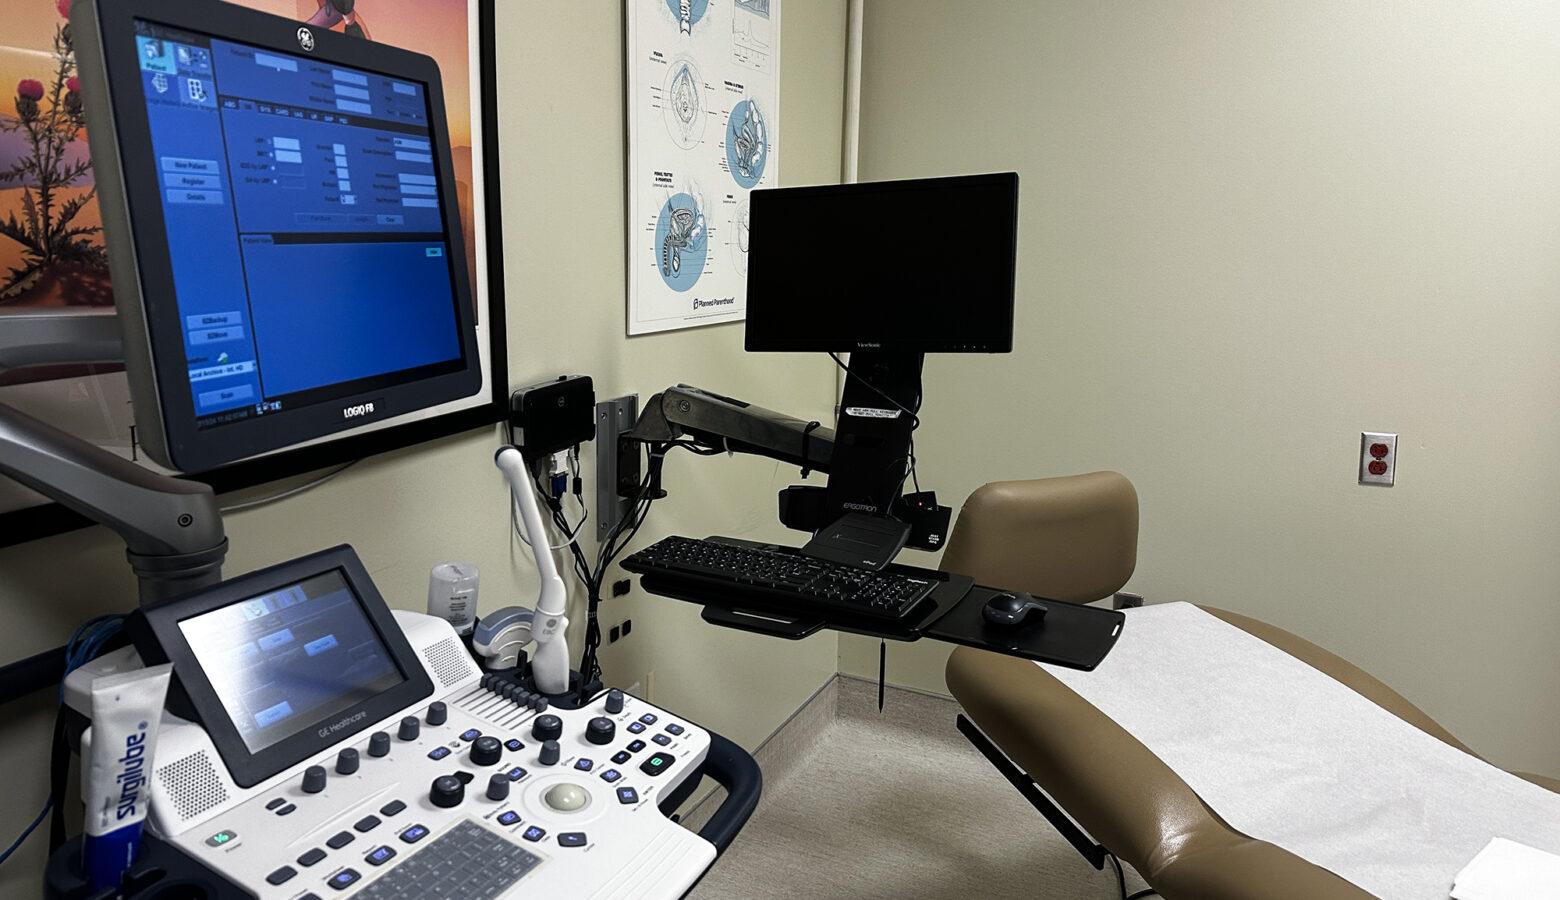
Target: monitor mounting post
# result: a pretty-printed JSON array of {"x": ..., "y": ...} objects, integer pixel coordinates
[{"x": 873, "y": 432}]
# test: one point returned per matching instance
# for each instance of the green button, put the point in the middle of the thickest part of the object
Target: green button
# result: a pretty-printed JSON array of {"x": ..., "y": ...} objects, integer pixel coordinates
[{"x": 222, "y": 837}]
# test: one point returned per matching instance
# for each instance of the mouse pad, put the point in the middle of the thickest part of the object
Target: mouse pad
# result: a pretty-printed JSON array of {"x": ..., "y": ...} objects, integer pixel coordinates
[{"x": 1070, "y": 635}]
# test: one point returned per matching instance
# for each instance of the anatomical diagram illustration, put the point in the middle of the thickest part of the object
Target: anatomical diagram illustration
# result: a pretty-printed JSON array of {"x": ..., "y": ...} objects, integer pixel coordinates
[
  {"x": 681, "y": 239},
  {"x": 683, "y": 99},
  {"x": 747, "y": 143}
]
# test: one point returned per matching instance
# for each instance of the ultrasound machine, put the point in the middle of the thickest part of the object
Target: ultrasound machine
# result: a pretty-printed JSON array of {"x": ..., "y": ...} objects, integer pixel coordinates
[{"x": 280, "y": 214}]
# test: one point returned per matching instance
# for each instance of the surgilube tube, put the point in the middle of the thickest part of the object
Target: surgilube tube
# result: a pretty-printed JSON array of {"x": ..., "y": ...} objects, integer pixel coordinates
[{"x": 126, "y": 711}]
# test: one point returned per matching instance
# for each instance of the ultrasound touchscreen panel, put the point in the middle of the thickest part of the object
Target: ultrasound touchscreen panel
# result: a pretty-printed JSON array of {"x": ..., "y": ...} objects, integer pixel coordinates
[{"x": 291, "y": 658}]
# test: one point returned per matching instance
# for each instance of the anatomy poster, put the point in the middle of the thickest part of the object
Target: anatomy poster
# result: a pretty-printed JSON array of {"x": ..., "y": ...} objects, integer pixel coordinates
[{"x": 703, "y": 102}]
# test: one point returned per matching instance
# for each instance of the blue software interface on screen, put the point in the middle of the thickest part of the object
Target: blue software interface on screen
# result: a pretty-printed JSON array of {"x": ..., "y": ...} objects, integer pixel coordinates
[{"x": 307, "y": 242}]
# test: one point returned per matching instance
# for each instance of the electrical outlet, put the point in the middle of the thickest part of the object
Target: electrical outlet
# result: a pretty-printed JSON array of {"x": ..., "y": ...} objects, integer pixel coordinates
[{"x": 1378, "y": 458}]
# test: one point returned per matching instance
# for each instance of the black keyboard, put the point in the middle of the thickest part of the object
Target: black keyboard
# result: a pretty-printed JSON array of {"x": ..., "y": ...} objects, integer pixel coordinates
[{"x": 784, "y": 578}]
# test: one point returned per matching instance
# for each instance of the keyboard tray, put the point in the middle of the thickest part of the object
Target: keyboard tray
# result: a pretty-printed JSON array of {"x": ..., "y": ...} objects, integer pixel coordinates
[{"x": 1070, "y": 635}]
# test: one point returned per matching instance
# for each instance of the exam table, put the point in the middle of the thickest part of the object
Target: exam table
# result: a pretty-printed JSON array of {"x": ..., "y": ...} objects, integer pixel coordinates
[{"x": 1074, "y": 539}]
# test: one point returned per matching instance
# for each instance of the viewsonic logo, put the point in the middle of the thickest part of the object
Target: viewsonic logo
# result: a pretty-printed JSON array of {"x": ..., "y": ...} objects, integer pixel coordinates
[{"x": 306, "y": 39}]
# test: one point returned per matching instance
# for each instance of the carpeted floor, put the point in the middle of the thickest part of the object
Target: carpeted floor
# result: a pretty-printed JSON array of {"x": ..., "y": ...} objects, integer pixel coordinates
[{"x": 862, "y": 804}]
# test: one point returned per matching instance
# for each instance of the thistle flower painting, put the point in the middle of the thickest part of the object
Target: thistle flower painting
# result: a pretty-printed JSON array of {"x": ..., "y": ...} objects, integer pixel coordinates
[{"x": 51, "y": 249}]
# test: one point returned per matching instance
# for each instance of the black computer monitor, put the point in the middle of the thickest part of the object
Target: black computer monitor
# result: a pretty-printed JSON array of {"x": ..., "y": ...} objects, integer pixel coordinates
[
  {"x": 887, "y": 271},
  {"x": 923, "y": 266},
  {"x": 279, "y": 208}
]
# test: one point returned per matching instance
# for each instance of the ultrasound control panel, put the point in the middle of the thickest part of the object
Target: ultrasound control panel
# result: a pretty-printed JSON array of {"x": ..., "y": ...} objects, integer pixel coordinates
[{"x": 478, "y": 789}]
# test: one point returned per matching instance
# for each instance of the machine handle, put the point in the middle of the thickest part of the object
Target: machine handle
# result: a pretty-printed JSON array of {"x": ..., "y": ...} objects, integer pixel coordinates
[{"x": 735, "y": 770}]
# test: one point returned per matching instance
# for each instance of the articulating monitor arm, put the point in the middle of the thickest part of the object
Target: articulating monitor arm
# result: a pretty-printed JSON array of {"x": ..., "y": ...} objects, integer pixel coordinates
[
  {"x": 172, "y": 528},
  {"x": 728, "y": 424}
]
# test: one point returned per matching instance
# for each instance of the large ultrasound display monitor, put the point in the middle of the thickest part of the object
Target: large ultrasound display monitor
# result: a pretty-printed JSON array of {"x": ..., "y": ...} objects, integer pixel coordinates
[
  {"x": 280, "y": 213},
  {"x": 922, "y": 265}
]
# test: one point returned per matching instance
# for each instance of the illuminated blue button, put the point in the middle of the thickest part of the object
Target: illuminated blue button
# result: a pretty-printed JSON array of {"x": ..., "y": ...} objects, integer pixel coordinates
[
  {"x": 438, "y": 752},
  {"x": 184, "y": 164},
  {"x": 196, "y": 182},
  {"x": 572, "y": 839},
  {"x": 534, "y": 833},
  {"x": 674, "y": 728},
  {"x": 379, "y": 855},
  {"x": 627, "y": 795},
  {"x": 508, "y": 818},
  {"x": 622, "y": 756},
  {"x": 470, "y": 734},
  {"x": 516, "y": 773},
  {"x": 198, "y": 198},
  {"x": 237, "y": 394},
  {"x": 636, "y": 727},
  {"x": 611, "y": 775},
  {"x": 414, "y": 834},
  {"x": 583, "y": 765},
  {"x": 217, "y": 336},
  {"x": 344, "y": 879},
  {"x": 648, "y": 718},
  {"x": 636, "y": 746},
  {"x": 662, "y": 739},
  {"x": 513, "y": 744}
]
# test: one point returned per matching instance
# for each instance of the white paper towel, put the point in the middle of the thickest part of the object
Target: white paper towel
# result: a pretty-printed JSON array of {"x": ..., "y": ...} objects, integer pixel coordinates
[{"x": 1288, "y": 755}]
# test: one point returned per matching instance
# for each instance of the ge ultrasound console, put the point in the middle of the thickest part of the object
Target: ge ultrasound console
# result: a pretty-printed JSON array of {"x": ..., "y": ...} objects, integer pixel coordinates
[{"x": 319, "y": 744}]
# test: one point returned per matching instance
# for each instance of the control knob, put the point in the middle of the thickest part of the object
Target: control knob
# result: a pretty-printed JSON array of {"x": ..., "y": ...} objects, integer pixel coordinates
[
  {"x": 313, "y": 779},
  {"x": 498, "y": 786},
  {"x": 600, "y": 730},
  {"x": 347, "y": 761},
  {"x": 410, "y": 728},
  {"x": 447, "y": 792},
  {"x": 438, "y": 713},
  {"x": 547, "y": 728},
  {"x": 379, "y": 744},
  {"x": 486, "y": 750},
  {"x": 550, "y": 753},
  {"x": 614, "y": 701}
]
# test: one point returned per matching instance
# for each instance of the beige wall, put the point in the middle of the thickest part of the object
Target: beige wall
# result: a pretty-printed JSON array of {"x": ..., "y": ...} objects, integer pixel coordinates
[
  {"x": 1250, "y": 231},
  {"x": 560, "y": 95}
]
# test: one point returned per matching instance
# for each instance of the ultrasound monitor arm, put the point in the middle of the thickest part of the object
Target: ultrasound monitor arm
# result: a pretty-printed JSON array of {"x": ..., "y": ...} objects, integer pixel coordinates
[
  {"x": 728, "y": 424},
  {"x": 172, "y": 528}
]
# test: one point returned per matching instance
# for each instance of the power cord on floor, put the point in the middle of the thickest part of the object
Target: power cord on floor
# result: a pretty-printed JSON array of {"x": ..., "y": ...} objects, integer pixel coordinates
[{"x": 1121, "y": 881}]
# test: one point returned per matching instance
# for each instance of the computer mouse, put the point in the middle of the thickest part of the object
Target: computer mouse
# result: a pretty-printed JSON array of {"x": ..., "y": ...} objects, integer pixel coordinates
[{"x": 1012, "y": 609}]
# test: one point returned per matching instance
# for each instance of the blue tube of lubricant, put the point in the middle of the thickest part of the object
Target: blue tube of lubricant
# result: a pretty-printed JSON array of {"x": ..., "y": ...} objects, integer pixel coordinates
[{"x": 126, "y": 711}]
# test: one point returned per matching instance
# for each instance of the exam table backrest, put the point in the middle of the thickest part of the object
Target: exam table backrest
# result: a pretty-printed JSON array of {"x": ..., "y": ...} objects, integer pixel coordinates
[{"x": 1072, "y": 538}]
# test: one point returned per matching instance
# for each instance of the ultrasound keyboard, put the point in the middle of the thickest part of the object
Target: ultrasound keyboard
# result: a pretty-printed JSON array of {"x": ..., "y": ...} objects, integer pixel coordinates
[
  {"x": 782, "y": 577},
  {"x": 448, "y": 782}
]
